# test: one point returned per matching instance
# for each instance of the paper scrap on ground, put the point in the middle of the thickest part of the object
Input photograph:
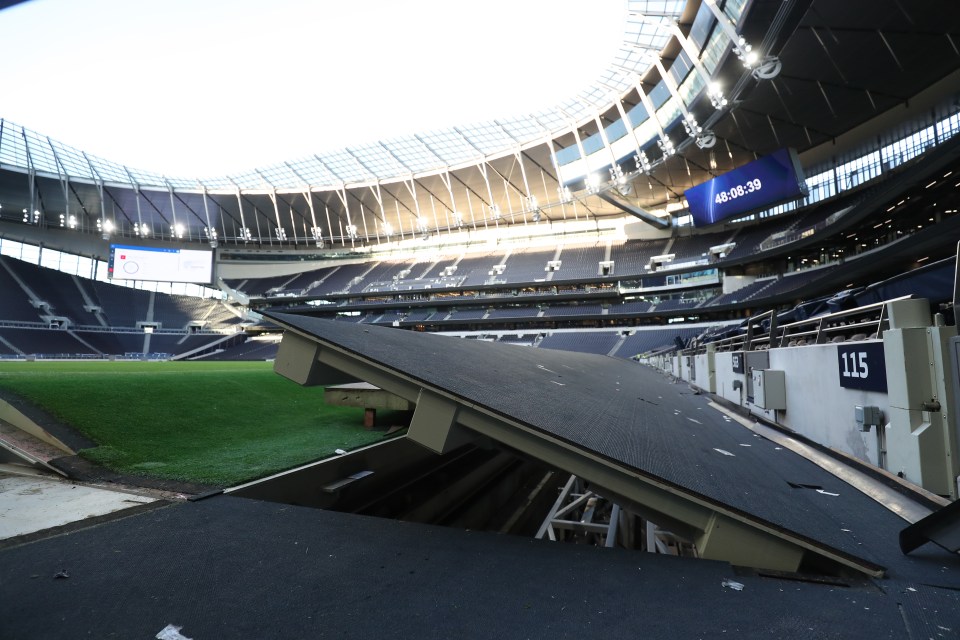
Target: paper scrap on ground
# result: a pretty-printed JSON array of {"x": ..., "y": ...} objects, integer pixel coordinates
[{"x": 171, "y": 632}]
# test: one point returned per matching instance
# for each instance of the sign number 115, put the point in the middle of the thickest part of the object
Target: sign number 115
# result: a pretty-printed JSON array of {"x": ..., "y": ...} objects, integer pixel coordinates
[{"x": 855, "y": 364}]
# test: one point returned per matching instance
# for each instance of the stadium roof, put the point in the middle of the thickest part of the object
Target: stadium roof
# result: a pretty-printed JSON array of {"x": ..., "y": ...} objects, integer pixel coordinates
[
  {"x": 390, "y": 159},
  {"x": 820, "y": 70}
]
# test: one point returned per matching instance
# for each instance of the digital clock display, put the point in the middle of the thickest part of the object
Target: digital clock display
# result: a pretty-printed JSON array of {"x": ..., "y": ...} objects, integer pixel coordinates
[{"x": 762, "y": 183}]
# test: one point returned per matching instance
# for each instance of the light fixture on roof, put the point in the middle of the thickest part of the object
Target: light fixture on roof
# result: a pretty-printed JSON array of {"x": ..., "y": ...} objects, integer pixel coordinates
[
  {"x": 593, "y": 183},
  {"x": 423, "y": 228},
  {"x": 620, "y": 180},
  {"x": 211, "y": 235},
  {"x": 105, "y": 227},
  {"x": 281, "y": 233},
  {"x": 691, "y": 125},
  {"x": 458, "y": 219},
  {"x": 715, "y": 91},
  {"x": 745, "y": 52},
  {"x": 317, "y": 234},
  {"x": 245, "y": 234},
  {"x": 387, "y": 229},
  {"x": 495, "y": 211},
  {"x": 765, "y": 68},
  {"x": 666, "y": 146},
  {"x": 643, "y": 163},
  {"x": 177, "y": 230},
  {"x": 566, "y": 195},
  {"x": 532, "y": 204},
  {"x": 762, "y": 68},
  {"x": 352, "y": 231}
]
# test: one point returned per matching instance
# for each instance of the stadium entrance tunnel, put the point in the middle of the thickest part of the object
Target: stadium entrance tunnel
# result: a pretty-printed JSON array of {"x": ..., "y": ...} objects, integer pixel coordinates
[{"x": 525, "y": 458}]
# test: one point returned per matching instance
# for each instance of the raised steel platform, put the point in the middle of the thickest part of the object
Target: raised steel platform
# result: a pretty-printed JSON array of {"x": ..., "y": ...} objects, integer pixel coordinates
[{"x": 654, "y": 447}]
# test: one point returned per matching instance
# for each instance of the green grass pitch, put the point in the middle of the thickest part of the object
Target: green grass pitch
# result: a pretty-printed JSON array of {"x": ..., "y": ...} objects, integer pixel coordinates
[{"x": 218, "y": 423}]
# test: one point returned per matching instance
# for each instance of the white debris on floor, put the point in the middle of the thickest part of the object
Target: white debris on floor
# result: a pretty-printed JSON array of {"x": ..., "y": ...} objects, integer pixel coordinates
[{"x": 34, "y": 502}]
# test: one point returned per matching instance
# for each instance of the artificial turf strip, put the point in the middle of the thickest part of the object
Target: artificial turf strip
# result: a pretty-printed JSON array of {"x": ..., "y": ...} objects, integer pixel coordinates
[{"x": 217, "y": 423}]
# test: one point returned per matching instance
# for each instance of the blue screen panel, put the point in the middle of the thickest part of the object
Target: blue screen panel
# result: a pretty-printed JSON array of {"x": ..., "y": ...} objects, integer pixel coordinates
[{"x": 762, "y": 183}]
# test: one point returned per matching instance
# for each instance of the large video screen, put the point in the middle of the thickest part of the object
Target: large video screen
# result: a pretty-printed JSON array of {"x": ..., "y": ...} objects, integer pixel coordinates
[
  {"x": 765, "y": 182},
  {"x": 160, "y": 265}
]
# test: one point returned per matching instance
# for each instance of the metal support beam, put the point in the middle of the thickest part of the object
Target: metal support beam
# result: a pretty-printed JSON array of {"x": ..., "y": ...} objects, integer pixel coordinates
[
  {"x": 727, "y": 539},
  {"x": 298, "y": 359},
  {"x": 434, "y": 424},
  {"x": 611, "y": 198}
]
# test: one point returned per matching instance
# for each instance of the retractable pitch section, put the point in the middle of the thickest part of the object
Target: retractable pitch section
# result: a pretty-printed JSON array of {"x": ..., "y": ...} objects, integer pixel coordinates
[
  {"x": 309, "y": 363},
  {"x": 443, "y": 418}
]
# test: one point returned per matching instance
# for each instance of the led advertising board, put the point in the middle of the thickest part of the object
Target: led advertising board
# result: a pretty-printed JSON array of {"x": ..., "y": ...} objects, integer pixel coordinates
[
  {"x": 765, "y": 182},
  {"x": 160, "y": 264}
]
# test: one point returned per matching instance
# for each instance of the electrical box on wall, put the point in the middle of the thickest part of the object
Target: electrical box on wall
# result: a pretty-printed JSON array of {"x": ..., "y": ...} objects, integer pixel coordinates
[
  {"x": 769, "y": 389},
  {"x": 867, "y": 417}
]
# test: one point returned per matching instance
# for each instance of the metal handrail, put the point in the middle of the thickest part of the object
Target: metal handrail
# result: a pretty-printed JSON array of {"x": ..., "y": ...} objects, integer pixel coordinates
[{"x": 818, "y": 328}]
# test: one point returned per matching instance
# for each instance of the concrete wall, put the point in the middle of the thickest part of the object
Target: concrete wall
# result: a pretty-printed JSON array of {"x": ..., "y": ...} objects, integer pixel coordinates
[
  {"x": 704, "y": 370},
  {"x": 817, "y": 406}
]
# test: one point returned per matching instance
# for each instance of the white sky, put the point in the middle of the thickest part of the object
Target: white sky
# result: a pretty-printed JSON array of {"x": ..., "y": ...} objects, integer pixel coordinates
[{"x": 209, "y": 87}]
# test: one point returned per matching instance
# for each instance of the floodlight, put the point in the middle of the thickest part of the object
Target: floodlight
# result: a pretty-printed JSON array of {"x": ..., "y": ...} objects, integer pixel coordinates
[
  {"x": 666, "y": 146},
  {"x": 643, "y": 163},
  {"x": 593, "y": 182}
]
